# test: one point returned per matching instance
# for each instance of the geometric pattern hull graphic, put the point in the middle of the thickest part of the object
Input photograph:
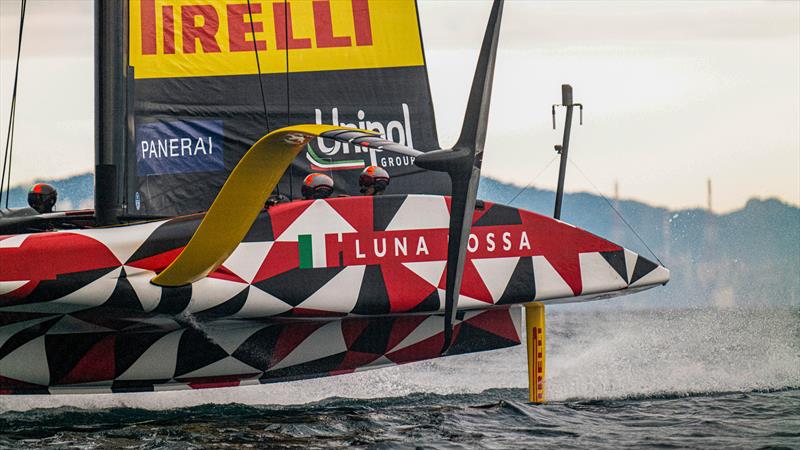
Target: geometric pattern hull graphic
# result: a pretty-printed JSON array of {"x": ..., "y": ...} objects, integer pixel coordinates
[
  {"x": 66, "y": 355},
  {"x": 309, "y": 276}
]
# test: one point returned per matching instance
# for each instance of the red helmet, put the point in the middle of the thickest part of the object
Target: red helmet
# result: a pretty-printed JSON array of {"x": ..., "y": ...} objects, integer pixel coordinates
[
  {"x": 317, "y": 185},
  {"x": 42, "y": 197},
  {"x": 375, "y": 176}
]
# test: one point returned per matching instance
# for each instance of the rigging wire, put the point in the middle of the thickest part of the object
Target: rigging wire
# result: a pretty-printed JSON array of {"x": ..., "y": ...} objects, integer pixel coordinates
[
  {"x": 531, "y": 182},
  {"x": 610, "y": 204},
  {"x": 258, "y": 65},
  {"x": 260, "y": 79},
  {"x": 9, "y": 149}
]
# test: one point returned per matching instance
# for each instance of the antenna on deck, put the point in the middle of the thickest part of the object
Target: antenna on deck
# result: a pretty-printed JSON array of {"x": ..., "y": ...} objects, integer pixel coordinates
[{"x": 566, "y": 101}]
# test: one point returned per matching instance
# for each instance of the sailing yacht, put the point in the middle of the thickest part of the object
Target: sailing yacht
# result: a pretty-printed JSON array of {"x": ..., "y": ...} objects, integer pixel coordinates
[{"x": 182, "y": 278}]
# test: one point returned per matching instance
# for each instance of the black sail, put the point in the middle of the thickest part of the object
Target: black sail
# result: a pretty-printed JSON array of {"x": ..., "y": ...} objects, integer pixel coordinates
[{"x": 196, "y": 101}]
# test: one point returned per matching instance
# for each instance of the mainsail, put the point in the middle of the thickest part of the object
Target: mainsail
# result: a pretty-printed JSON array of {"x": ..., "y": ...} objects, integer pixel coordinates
[{"x": 201, "y": 90}]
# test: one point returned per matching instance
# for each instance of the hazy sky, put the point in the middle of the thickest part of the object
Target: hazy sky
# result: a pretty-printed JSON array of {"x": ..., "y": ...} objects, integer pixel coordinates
[{"x": 674, "y": 93}]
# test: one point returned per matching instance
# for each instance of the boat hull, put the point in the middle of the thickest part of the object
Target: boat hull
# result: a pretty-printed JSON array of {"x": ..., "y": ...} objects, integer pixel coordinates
[{"x": 78, "y": 311}]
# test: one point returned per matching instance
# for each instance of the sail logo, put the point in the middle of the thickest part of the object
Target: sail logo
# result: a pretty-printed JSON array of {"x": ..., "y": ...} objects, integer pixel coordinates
[
  {"x": 334, "y": 155},
  {"x": 200, "y": 26},
  {"x": 184, "y": 146},
  {"x": 175, "y": 38}
]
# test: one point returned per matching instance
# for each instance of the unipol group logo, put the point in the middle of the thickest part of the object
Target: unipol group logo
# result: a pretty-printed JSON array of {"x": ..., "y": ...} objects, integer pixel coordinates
[
  {"x": 324, "y": 154},
  {"x": 183, "y": 146}
]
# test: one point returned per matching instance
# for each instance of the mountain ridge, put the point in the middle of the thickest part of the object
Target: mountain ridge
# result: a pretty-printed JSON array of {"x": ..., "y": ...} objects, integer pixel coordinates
[{"x": 747, "y": 257}]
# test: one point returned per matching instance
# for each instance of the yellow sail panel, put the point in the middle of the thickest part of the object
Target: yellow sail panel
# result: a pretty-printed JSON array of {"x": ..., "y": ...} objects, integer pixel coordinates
[{"x": 193, "y": 38}]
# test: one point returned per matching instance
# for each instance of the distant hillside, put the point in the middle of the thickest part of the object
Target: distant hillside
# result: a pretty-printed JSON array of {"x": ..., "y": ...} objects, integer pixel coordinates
[
  {"x": 750, "y": 257},
  {"x": 747, "y": 258}
]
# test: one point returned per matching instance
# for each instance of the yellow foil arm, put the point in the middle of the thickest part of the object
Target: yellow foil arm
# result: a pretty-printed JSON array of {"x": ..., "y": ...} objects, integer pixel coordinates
[{"x": 238, "y": 203}]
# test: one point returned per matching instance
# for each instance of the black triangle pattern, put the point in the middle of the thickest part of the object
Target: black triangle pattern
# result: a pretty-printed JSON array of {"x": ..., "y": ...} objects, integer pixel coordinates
[
  {"x": 375, "y": 337},
  {"x": 107, "y": 318},
  {"x": 499, "y": 215},
  {"x": 261, "y": 231},
  {"x": 64, "y": 351},
  {"x": 384, "y": 208},
  {"x": 256, "y": 351},
  {"x": 643, "y": 267},
  {"x": 522, "y": 284},
  {"x": 468, "y": 336},
  {"x": 174, "y": 300},
  {"x": 124, "y": 297},
  {"x": 430, "y": 304},
  {"x": 196, "y": 351},
  {"x": 296, "y": 285},
  {"x": 129, "y": 347},
  {"x": 372, "y": 297},
  {"x": 616, "y": 259},
  {"x": 64, "y": 284},
  {"x": 170, "y": 235},
  {"x": 226, "y": 308},
  {"x": 26, "y": 335},
  {"x": 119, "y": 311},
  {"x": 316, "y": 368}
]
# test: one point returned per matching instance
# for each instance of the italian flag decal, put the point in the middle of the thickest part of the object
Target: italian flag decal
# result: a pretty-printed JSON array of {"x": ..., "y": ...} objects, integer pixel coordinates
[{"x": 312, "y": 251}]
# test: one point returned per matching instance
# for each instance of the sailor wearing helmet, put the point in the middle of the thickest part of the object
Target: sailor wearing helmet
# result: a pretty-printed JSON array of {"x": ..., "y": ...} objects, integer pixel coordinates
[
  {"x": 42, "y": 197},
  {"x": 317, "y": 185},
  {"x": 373, "y": 180}
]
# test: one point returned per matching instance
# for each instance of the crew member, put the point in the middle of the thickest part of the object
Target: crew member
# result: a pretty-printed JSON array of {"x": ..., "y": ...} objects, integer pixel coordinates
[
  {"x": 42, "y": 197},
  {"x": 373, "y": 180},
  {"x": 276, "y": 199},
  {"x": 317, "y": 185}
]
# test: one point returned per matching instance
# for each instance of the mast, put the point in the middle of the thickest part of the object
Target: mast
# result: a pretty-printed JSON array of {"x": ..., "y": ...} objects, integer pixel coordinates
[{"x": 110, "y": 67}]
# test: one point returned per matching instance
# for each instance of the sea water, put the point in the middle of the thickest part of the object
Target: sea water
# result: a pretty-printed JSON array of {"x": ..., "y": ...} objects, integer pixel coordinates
[{"x": 661, "y": 378}]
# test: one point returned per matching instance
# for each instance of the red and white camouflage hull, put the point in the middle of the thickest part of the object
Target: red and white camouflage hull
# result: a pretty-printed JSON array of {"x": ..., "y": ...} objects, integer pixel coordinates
[{"x": 317, "y": 288}]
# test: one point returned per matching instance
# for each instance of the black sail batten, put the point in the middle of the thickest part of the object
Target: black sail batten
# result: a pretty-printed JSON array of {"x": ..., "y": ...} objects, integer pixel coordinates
[{"x": 197, "y": 105}]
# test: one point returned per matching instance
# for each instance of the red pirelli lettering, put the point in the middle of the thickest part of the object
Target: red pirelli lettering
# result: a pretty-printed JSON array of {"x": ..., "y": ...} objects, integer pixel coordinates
[
  {"x": 168, "y": 17},
  {"x": 362, "y": 23},
  {"x": 239, "y": 29},
  {"x": 147, "y": 9},
  {"x": 205, "y": 33},
  {"x": 323, "y": 27},
  {"x": 284, "y": 35}
]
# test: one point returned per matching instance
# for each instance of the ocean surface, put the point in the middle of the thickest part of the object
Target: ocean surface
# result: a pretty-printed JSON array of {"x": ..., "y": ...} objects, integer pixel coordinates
[{"x": 650, "y": 378}]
